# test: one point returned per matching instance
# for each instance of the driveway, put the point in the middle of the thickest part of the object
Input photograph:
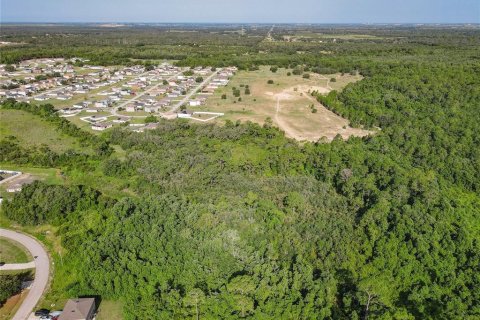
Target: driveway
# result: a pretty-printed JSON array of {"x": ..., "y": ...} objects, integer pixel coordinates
[{"x": 42, "y": 271}]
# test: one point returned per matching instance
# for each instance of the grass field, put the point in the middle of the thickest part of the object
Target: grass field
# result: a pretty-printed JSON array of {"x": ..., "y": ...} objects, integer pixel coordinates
[
  {"x": 110, "y": 310},
  {"x": 347, "y": 36},
  {"x": 30, "y": 130},
  {"x": 85, "y": 125},
  {"x": 13, "y": 252},
  {"x": 287, "y": 102}
]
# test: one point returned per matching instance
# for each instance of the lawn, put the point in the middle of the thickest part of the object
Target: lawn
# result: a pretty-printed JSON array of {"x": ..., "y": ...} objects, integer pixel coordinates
[
  {"x": 110, "y": 310},
  {"x": 287, "y": 102},
  {"x": 31, "y": 130},
  {"x": 13, "y": 252}
]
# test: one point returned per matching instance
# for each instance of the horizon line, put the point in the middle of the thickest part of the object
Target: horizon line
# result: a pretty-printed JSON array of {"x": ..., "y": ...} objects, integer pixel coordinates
[{"x": 225, "y": 22}]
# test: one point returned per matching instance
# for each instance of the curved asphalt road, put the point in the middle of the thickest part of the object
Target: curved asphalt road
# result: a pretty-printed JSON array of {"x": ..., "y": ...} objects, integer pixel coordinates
[{"x": 42, "y": 271}]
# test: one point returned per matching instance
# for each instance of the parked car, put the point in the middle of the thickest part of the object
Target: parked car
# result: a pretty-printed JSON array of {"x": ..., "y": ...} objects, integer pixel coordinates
[{"x": 42, "y": 313}]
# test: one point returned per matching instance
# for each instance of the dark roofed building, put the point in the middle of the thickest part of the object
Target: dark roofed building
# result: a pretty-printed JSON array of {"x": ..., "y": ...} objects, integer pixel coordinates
[{"x": 78, "y": 309}]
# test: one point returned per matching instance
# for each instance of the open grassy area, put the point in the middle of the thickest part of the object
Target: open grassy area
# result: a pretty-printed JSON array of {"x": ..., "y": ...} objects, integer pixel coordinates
[
  {"x": 287, "y": 102},
  {"x": 31, "y": 130},
  {"x": 13, "y": 252},
  {"x": 85, "y": 125},
  {"x": 346, "y": 36},
  {"x": 48, "y": 175},
  {"x": 110, "y": 310}
]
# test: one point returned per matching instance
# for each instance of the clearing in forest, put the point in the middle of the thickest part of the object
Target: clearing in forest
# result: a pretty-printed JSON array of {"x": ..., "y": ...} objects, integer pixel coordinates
[
  {"x": 30, "y": 130},
  {"x": 287, "y": 102}
]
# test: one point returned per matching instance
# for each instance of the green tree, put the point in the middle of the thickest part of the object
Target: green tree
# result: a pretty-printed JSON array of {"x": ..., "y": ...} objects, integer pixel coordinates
[{"x": 195, "y": 298}]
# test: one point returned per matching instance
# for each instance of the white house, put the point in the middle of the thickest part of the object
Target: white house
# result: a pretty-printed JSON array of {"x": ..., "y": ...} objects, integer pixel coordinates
[
  {"x": 195, "y": 103},
  {"x": 130, "y": 108},
  {"x": 101, "y": 126}
]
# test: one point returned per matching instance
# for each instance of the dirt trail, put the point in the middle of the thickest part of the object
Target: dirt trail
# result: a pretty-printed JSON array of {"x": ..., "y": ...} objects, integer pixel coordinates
[
  {"x": 328, "y": 81},
  {"x": 329, "y": 124}
]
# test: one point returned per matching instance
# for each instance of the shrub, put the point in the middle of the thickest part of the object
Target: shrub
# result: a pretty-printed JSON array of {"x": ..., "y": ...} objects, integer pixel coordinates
[
  {"x": 151, "y": 119},
  {"x": 297, "y": 71}
]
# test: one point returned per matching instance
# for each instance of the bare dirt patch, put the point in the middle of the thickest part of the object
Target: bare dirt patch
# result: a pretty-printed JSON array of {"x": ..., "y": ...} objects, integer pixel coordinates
[{"x": 288, "y": 102}]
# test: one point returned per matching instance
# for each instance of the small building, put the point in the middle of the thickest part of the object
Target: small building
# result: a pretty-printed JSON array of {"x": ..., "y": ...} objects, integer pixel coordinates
[
  {"x": 18, "y": 182},
  {"x": 17, "y": 187},
  {"x": 79, "y": 309},
  {"x": 185, "y": 114},
  {"x": 40, "y": 98},
  {"x": 152, "y": 109},
  {"x": 101, "y": 126},
  {"x": 131, "y": 108},
  {"x": 121, "y": 120},
  {"x": 195, "y": 103},
  {"x": 101, "y": 104}
]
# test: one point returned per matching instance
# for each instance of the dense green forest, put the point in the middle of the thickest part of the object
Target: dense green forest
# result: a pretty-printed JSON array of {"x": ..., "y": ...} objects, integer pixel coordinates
[{"x": 240, "y": 222}]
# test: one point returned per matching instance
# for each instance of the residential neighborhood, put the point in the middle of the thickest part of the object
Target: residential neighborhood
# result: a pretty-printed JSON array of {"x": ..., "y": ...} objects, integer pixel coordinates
[{"x": 103, "y": 97}]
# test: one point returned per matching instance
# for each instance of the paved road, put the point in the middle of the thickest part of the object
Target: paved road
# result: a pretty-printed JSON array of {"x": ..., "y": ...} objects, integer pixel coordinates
[
  {"x": 42, "y": 271},
  {"x": 115, "y": 110},
  {"x": 17, "y": 266},
  {"x": 194, "y": 91}
]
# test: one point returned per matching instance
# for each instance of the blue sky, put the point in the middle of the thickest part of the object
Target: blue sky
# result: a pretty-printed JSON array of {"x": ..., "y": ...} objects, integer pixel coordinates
[{"x": 256, "y": 11}]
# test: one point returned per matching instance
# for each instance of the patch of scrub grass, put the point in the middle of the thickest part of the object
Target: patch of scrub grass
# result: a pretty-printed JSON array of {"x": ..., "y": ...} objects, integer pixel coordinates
[
  {"x": 13, "y": 252},
  {"x": 30, "y": 130},
  {"x": 286, "y": 102}
]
